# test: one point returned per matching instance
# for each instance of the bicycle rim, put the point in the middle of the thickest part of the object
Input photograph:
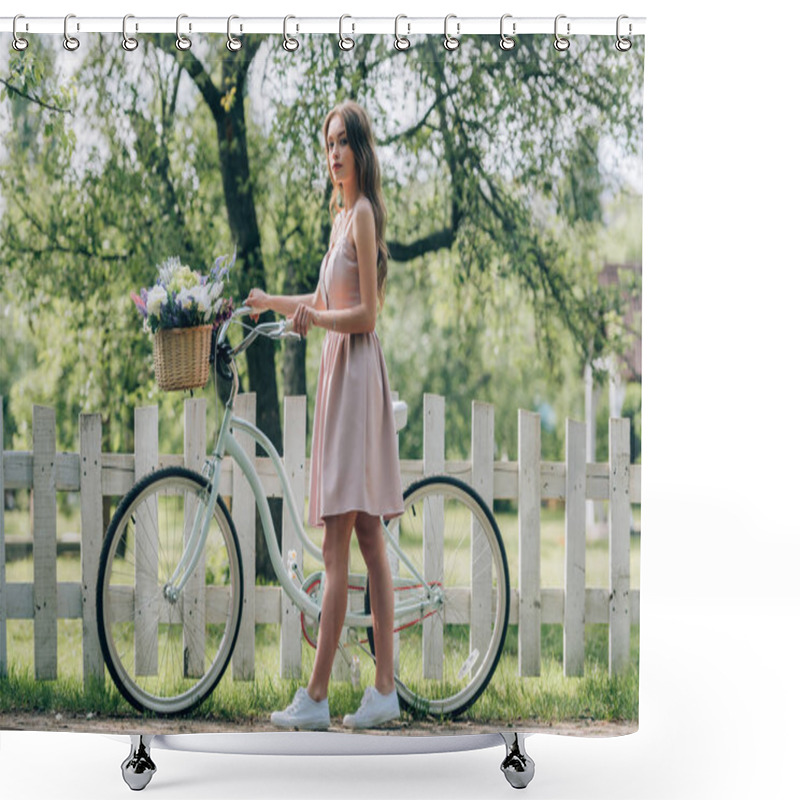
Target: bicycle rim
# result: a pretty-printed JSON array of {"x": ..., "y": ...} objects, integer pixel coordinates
[
  {"x": 445, "y": 656},
  {"x": 167, "y": 656}
]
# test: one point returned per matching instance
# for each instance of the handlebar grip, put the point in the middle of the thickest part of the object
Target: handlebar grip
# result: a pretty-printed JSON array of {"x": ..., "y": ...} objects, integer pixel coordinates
[
  {"x": 288, "y": 330},
  {"x": 284, "y": 331}
]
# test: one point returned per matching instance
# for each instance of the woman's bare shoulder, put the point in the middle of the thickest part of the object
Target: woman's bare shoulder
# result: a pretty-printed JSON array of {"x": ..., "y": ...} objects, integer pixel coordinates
[{"x": 363, "y": 215}]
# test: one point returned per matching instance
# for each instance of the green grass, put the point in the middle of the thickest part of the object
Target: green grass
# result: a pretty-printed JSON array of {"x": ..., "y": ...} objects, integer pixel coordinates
[{"x": 549, "y": 698}]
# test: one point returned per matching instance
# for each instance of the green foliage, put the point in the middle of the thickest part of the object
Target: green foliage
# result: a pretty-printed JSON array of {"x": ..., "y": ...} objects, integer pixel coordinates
[
  {"x": 501, "y": 210},
  {"x": 87, "y": 227}
]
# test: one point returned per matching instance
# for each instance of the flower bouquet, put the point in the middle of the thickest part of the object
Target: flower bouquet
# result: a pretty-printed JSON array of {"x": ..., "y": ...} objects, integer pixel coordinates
[{"x": 181, "y": 311}]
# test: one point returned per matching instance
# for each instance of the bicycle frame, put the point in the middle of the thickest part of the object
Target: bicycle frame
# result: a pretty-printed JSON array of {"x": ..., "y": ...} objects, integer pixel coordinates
[{"x": 227, "y": 444}]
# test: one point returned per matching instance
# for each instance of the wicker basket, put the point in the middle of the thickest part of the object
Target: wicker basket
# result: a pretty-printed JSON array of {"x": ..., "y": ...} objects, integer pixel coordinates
[{"x": 181, "y": 357}]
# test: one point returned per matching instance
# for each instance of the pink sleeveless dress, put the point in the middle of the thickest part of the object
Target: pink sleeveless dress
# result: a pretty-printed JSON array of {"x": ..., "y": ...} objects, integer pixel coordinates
[{"x": 354, "y": 459}]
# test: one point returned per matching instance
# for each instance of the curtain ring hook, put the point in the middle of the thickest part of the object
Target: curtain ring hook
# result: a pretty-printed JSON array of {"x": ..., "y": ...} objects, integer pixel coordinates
[
  {"x": 506, "y": 42},
  {"x": 181, "y": 42},
  {"x": 233, "y": 44},
  {"x": 290, "y": 44},
  {"x": 129, "y": 43},
  {"x": 450, "y": 42},
  {"x": 345, "y": 43},
  {"x": 623, "y": 43},
  {"x": 70, "y": 42},
  {"x": 560, "y": 43},
  {"x": 401, "y": 42},
  {"x": 18, "y": 43}
]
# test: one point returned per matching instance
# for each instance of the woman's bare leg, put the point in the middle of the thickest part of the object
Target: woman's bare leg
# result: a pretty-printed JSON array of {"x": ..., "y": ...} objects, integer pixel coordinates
[
  {"x": 381, "y": 597},
  {"x": 335, "y": 554}
]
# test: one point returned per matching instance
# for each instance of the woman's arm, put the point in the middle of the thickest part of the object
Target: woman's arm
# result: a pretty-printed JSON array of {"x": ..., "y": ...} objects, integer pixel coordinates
[
  {"x": 360, "y": 318},
  {"x": 285, "y": 305}
]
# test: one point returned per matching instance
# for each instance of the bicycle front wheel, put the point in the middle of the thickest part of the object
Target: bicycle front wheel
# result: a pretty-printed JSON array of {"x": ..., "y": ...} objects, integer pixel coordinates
[
  {"x": 167, "y": 654},
  {"x": 446, "y": 651}
]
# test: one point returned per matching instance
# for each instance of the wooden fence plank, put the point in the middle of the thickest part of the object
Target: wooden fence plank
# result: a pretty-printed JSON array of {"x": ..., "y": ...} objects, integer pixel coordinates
[
  {"x": 95, "y": 474},
  {"x": 575, "y": 557},
  {"x": 636, "y": 483},
  {"x": 619, "y": 545},
  {"x": 3, "y": 595},
  {"x": 194, "y": 607},
  {"x": 529, "y": 447},
  {"x": 552, "y": 610},
  {"x": 118, "y": 475},
  {"x": 483, "y": 483},
  {"x": 244, "y": 520},
  {"x": 44, "y": 544},
  {"x": 21, "y": 604},
  {"x": 433, "y": 534},
  {"x": 145, "y": 461},
  {"x": 400, "y": 420},
  {"x": 294, "y": 461},
  {"x": 268, "y": 604},
  {"x": 91, "y": 435}
]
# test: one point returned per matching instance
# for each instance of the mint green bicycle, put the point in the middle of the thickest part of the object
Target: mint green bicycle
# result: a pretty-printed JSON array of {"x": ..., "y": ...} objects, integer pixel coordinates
[{"x": 169, "y": 593}]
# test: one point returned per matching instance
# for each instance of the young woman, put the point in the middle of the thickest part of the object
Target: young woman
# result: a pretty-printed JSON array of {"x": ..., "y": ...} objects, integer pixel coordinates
[{"x": 355, "y": 470}]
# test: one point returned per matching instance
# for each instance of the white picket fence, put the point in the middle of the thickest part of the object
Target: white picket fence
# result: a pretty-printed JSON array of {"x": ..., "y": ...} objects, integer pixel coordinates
[{"x": 528, "y": 481}]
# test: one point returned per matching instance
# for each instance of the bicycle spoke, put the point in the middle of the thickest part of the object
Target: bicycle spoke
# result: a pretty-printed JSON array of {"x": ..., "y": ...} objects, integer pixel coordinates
[
  {"x": 165, "y": 503},
  {"x": 438, "y": 669}
]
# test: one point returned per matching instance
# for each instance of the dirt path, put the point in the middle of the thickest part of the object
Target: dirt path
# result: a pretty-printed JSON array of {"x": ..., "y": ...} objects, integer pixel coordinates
[{"x": 87, "y": 724}]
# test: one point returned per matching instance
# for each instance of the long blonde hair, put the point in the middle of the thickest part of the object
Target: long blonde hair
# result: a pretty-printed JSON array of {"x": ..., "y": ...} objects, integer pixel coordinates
[{"x": 368, "y": 171}]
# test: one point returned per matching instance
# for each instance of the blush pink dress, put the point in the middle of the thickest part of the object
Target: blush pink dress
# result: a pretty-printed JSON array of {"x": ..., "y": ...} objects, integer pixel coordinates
[{"x": 354, "y": 459}]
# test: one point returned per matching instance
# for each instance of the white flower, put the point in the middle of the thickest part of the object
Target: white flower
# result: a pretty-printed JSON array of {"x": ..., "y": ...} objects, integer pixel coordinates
[
  {"x": 183, "y": 278},
  {"x": 167, "y": 270},
  {"x": 155, "y": 297},
  {"x": 203, "y": 301},
  {"x": 185, "y": 298}
]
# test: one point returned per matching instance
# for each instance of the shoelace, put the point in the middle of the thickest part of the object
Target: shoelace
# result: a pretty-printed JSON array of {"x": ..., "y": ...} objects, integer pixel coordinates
[
  {"x": 294, "y": 705},
  {"x": 365, "y": 700}
]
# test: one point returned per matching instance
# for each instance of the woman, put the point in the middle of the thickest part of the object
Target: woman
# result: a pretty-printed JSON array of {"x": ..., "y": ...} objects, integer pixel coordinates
[{"x": 355, "y": 469}]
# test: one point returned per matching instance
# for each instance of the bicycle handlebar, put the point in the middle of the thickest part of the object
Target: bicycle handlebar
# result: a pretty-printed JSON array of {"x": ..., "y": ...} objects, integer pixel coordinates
[{"x": 274, "y": 330}]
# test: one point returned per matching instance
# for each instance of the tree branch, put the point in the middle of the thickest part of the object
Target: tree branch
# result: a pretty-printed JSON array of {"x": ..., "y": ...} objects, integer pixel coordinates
[
  {"x": 73, "y": 251},
  {"x": 409, "y": 132},
  {"x": 196, "y": 71},
  {"x": 14, "y": 90},
  {"x": 402, "y": 251}
]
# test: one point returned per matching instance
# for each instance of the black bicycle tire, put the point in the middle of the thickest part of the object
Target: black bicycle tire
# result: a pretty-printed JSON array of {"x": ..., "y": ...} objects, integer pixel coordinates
[
  {"x": 465, "y": 487},
  {"x": 127, "y": 501}
]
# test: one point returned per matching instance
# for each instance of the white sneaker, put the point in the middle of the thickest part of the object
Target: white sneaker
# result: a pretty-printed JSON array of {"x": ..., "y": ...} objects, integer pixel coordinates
[
  {"x": 375, "y": 709},
  {"x": 303, "y": 712}
]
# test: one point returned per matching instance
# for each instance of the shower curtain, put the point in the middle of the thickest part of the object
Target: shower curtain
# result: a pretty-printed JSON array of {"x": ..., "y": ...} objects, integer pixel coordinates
[{"x": 511, "y": 328}]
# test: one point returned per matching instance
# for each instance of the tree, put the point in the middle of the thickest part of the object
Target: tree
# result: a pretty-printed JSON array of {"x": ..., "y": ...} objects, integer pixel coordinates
[{"x": 490, "y": 163}]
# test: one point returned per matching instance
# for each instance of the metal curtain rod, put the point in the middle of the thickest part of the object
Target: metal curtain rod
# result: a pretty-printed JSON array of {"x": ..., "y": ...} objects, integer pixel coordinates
[{"x": 569, "y": 26}]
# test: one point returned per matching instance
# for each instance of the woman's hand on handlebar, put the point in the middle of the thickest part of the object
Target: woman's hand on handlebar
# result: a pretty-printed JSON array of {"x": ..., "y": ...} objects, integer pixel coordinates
[
  {"x": 258, "y": 301},
  {"x": 304, "y": 319}
]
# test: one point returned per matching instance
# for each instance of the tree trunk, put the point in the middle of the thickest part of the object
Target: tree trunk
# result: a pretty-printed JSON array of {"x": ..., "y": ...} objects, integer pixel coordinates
[
  {"x": 237, "y": 184},
  {"x": 294, "y": 354}
]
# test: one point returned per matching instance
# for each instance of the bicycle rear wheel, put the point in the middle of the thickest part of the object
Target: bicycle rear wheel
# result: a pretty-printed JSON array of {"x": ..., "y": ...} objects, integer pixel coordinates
[
  {"x": 446, "y": 655},
  {"x": 167, "y": 655}
]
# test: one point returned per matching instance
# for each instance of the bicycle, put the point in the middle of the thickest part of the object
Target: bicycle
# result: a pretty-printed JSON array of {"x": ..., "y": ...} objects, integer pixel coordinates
[{"x": 170, "y": 593}]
